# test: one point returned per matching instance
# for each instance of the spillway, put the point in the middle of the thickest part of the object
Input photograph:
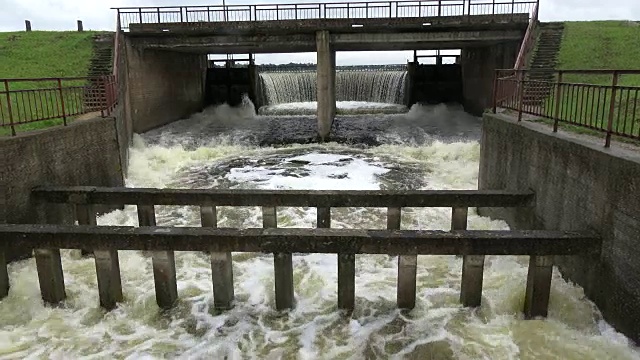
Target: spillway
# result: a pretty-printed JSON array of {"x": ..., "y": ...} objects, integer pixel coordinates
[
  {"x": 426, "y": 148},
  {"x": 364, "y": 91}
]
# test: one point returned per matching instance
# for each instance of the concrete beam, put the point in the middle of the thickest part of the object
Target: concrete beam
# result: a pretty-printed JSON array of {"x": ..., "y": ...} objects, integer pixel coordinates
[
  {"x": 273, "y": 43},
  {"x": 333, "y": 241},
  {"x": 304, "y": 198},
  {"x": 311, "y": 26}
]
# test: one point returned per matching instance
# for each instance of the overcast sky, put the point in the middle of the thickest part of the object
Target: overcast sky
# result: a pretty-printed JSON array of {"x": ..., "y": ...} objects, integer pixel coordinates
[{"x": 96, "y": 15}]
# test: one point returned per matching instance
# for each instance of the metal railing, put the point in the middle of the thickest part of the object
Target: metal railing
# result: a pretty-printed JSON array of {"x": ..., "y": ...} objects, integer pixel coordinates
[
  {"x": 529, "y": 40},
  {"x": 337, "y": 10},
  {"x": 26, "y": 101},
  {"x": 105, "y": 241},
  {"x": 593, "y": 99}
]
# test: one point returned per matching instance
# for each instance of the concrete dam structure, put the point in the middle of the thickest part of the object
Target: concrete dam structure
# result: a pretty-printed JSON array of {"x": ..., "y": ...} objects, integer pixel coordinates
[
  {"x": 221, "y": 232},
  {"x": 172, "y": 44}
]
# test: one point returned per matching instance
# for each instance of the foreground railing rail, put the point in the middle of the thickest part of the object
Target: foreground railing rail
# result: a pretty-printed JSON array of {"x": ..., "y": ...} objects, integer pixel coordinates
[
  {"x": 105, "y": 241},
  {"x": 337, "y": 10},
  {"x": 593, "y": 99},
  {"x": 26, "y": 101}
]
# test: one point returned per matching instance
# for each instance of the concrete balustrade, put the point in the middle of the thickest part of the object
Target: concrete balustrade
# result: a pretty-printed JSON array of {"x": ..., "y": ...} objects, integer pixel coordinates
[{"x": 104, "y": 241}]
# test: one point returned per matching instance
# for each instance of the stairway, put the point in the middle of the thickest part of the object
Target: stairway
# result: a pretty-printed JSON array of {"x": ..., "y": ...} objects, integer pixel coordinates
[
  {"x": 101, "y": 64},
  {"x": 543, "y": 62}
]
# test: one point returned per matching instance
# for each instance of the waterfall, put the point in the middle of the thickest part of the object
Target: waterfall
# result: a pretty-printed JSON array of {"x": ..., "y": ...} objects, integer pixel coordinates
[{"x": 369, "y": 86}]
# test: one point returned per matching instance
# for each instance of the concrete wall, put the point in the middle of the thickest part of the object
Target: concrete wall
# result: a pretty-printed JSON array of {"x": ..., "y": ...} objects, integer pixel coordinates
[
  {"x": 162, "y": 86},
  {"x": 579, "y": 185},
  {"x": 478, "y": 69},
  {"x": 83, "y": 153}
]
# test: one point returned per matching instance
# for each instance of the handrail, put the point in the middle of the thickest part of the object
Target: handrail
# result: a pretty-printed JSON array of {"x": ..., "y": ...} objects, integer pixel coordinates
[
  {"x": 329, "y": 10},
  {"x": 528, "y": 41}
]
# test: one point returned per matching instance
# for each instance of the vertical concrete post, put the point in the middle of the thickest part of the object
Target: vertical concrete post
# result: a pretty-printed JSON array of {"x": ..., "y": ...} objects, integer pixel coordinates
[
  {"x": 221, "y": 265},
  {"x": 472, "y": 265},
  {"x": 282, "y": 265},
  {"x": 27, "y": 25},
  {"x": 325, "y": 83},
  {"x": 407, "y": 264},
  {"x": 80, "y": 27},
  {"x": 346, "y": 266},
  {"x": 107, "y": 264},
  {"x": 4, "y": 276},
  {"x": 536, "y": 298},
  {"x": 164, "y": 264},
  {"x": 48, "y": 261}
]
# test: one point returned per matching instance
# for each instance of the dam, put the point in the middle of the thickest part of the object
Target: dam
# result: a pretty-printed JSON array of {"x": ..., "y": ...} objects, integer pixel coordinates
[{"x": 382, "y": 139}]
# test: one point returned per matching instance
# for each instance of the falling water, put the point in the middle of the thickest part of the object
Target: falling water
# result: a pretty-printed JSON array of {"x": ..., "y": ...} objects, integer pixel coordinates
[{"x": 370, "y": 86}]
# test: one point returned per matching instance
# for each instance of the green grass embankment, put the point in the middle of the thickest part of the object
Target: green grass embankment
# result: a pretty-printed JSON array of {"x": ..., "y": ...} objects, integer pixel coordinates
[
  {"x": 42, "y": 54},
  {"x": 611, "y": 45}
]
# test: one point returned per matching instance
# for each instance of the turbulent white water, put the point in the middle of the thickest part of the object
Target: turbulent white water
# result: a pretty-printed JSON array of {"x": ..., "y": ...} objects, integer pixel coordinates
[
  {"x": 362, "y": 86},
  {"x": 183, "y": 155}
]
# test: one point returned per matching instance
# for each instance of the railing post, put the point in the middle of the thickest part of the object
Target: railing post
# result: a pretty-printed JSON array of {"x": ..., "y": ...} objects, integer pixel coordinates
[
  {"x": 4, "y": 276},
  {"x": 391, "y": 8},
  {"x": 612, "y": 109},
  {"x": 439, "y": 8},
  {"x": 118, "y": 21},
  {"x": 520, "y": 76},
  {"x": 164, "y": 264},
  {"x": 158, "y": 15},
  {"x": 407, "y": 264},
  {"x": 221, "y": 265},
  {"x": 48, "y": 261},
  {"x": 140, "y": 14},
  {"x": 495, "y": 91},
  {"x": 282, "y": 264},
  {"x": 9, "y": 109},
  {"x": 107, "y": 264},
  {"x": 536, "y": 299},
  {"x": 556, "y": 111},
  {"x": 472, "y": 265}
]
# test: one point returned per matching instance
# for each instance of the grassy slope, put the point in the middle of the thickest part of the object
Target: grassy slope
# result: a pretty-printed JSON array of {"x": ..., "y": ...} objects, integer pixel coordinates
[
  {"x": 602, "y": 45},
  {"x": 43, "y": 54}
]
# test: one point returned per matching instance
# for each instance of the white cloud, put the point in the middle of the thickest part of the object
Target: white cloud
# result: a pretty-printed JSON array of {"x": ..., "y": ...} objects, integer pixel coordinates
[{"x": 97, "y": 15}]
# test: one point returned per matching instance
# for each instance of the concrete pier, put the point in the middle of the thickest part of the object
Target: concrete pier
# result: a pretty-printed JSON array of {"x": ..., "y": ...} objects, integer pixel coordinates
[
  {"x": 536, "y": 298},
  {"x": 282, "y": 265},
  {"x": 326, "y": 84},
  {"x": 221, "y": 265},
  {"x": 164, "y": 264}
]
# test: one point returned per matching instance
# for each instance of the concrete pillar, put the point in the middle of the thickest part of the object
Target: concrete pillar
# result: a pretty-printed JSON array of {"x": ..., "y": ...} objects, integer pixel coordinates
[
  {"x": 80, "y": 27},
  {"x": 346, "y": 281},
  {"x": 282, "y": 266},
  {"x": 407, "y": 264},
  {"x": 48, "y": 261},
  {"x": 326, "y": 94},
  {"x": 164, "y": 264},
  {"x": 107, "y": 264},
  {"x": 472, "y": 265},
  {"x": 27, "y": 25},
  {"x": 4, "y": 276},
  {"x": 536, "y": 299},
  {"x": 221, "y": 265}
]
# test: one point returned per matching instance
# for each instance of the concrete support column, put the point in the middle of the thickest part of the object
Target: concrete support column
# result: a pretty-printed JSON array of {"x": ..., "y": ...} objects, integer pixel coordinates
[{"x": 326, "y": 84}]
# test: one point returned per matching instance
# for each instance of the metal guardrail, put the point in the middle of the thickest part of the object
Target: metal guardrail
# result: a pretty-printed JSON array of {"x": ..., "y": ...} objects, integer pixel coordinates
[
  {"x": 104, "y": 242},
  {"x": 600, "y": 103},
  {"x": 529, "y": 40},
  {"x": 25, "y": 101},
  {"x": 305, "y": 11}
]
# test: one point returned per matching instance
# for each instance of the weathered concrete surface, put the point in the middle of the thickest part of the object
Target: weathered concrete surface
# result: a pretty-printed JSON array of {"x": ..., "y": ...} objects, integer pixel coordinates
[
  {"x": 310, "y": 26},
  {"x": 296, "y": 42},
  {"x": 282, "y": 240},
  {"x": 579, "y": 185},
  {"x": 326, "y": 84},
  {"x": 162, "y": 86},
  {"x": 83, "y": 153},
  {"x": 479, "y": 64},
  {"x": 324, "y": 199}
]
